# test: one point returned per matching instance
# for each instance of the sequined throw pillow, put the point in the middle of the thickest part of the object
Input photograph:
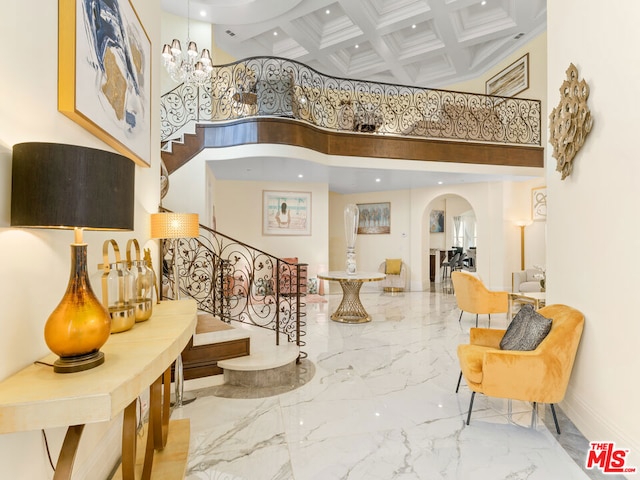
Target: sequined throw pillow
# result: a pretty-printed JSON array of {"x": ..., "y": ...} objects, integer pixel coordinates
[{"x": 526, "y": 331}]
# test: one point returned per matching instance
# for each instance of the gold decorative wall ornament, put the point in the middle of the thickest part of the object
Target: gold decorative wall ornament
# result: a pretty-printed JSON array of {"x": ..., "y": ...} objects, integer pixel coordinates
[{"x": 570, "y": 121}]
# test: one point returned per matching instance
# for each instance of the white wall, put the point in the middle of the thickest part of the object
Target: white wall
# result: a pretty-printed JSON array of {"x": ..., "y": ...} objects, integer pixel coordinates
[
  {"x": 487, "y": 202},
  {"x": 239, "y": 215},
  {"x": 371, "y": 250},
  {"x": 593, "y": 217},
  {"x": 498, "y": 239},
  {"x": 35, "y": 263}
]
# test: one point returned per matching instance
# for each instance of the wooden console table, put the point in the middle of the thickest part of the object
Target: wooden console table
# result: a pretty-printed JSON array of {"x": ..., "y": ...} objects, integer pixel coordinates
[{"x": 37, "y": 398}]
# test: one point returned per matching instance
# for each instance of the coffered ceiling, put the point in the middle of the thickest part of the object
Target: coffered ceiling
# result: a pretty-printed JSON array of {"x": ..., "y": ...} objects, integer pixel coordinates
[{"x": 428, "y": 43}]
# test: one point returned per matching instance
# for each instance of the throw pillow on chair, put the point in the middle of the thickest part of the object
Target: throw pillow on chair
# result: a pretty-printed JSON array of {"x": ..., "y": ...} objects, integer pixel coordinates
[
  {"x": 527, "y": 329},
  {"x": 393, "y": 266}
]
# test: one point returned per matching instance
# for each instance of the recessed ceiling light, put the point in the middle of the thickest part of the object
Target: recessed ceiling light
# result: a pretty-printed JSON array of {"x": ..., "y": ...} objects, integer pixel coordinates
[
  {"x": 300, "y": 175},
  {"x": 483, "y": 2},
  {"x": 275, "y": 34},
  {"x": 327, "y": 11},
  {"x": 357, "y": 46},
  {"x": 413, "y": 26},
  {"x": 378, "y": 180},
  {"x": 203, "y": 13},
  {"x": 440, "y": 182}
]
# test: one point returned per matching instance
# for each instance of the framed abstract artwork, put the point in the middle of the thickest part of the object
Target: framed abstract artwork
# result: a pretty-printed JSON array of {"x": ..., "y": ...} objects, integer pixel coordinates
[
  {"x": 436, "y": 221},
  {"x": 539, "y": 204},
  {"x": 511, "y": 81},
  {"x": 374, "y": 218},
  {"x": 286, "y": 213},
  {"x": 104, "y": 73}
]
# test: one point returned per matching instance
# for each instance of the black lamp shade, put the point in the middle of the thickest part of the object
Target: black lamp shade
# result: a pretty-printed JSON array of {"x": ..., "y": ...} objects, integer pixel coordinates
[{"x": 65, "y": 186}]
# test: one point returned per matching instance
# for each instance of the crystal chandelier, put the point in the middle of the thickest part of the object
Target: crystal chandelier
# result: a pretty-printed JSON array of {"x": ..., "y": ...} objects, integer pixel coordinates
[{"x": 187, "y": 67}]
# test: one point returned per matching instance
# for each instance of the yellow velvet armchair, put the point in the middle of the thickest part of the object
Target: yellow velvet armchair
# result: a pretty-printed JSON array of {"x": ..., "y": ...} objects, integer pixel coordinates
[
  {"x": 539, "y": 376},
  {"x": 473, "y": 297}
]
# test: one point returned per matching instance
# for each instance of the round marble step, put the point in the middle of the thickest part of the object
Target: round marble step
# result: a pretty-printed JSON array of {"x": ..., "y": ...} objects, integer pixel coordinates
[{"x": 267, "y": 365}]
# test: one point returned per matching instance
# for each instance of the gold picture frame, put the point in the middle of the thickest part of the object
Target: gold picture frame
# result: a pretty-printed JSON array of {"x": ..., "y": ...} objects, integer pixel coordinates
[
  {"x": 104, "y": 74},
  {"x": 510, "y": 81}
]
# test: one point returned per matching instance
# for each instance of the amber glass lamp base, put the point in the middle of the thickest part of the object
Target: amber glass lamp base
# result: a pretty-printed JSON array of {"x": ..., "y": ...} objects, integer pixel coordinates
[{"x": 80, "y": 324}]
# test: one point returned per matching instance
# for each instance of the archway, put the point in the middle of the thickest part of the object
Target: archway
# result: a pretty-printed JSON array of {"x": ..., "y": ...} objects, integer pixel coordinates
[{"x": 448, "y": 223}]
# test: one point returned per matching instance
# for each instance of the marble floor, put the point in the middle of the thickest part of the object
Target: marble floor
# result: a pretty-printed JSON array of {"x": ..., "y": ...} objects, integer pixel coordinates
[{"x": 381, "y": 404}]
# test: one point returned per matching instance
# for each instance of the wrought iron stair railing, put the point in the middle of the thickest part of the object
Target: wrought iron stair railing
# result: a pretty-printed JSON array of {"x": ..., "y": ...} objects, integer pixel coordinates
[
  {"x": 273, "y": 86},
  {"x": 237, "y": 282}
]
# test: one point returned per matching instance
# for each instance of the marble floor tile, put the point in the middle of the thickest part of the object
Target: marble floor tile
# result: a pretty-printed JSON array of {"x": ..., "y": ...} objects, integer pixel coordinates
[{"x": 381, "y": 405}]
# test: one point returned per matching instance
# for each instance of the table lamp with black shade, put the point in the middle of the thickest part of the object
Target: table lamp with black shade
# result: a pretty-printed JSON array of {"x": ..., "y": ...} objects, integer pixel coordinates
[{"x": 72, "y": 187}]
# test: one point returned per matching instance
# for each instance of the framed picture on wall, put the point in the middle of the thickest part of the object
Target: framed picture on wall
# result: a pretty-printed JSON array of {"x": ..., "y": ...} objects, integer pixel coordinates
[
  {"x": 374, "y": 218},
  {"x": 104, "y": 74},
  {"x": 436, "y": 221},
  {"x": 286, "y": 213},
  {"x": 511, "y": 81},
  {"x": 539, "y": 204}
]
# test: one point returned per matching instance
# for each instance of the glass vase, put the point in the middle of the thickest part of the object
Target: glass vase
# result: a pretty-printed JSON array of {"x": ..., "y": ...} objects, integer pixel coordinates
[
  {"x": 142, "y": 294},
  {"x": 119, "y": 297},
  {"x": 351, "y": 216}
]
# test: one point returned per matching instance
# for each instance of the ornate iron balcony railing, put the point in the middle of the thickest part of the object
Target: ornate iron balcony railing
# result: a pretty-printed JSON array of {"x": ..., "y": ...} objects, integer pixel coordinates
[
  {"x": 235, "y": 281},
  {"x": 272, "y": 86}
]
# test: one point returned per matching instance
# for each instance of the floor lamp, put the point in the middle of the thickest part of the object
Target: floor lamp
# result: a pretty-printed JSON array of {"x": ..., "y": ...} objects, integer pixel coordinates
[
  {"x": 522, "y": 224},
  {"x": 173, "y": 226}
]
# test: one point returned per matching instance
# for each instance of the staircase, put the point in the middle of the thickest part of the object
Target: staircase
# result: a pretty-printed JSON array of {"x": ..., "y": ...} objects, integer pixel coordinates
[
  {"x": 267, "y": 366},
  {"x": 214, "y": 341},
  {"x": 251, "y": 309},
  {"x": 175, "y": 153},
  {"x": 246, "y": 356}
]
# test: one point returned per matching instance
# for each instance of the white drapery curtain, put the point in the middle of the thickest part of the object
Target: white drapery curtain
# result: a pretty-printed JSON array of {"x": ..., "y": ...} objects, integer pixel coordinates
[
  {"x": 457, "y": 232},
  {"x": 469, "y": 229}
]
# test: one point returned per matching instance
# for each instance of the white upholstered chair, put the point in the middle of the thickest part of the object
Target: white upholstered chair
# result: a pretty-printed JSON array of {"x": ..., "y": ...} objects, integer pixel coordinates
[
  {"x": 397, "y": 275},
  {"x": 525, "y": 281}
]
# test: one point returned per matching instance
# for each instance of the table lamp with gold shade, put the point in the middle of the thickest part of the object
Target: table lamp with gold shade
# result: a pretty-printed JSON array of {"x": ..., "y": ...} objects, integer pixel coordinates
[
  {"x": 72, "y": 187},
  {"x": 173, "y": 226}
]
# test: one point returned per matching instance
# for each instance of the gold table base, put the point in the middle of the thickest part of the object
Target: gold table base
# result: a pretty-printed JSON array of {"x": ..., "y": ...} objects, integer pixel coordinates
[{"x": 350, "y": 309}]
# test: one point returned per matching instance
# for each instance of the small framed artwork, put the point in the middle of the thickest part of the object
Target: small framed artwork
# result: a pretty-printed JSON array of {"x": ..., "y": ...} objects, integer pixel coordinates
[
  {"x": 539, "y": 204},
  {"x": 374, "y": 218},
  {"x": 510, "y": 81},
  {"x": 436, "y": 221},
  {"x": 104, "y": 74},
  {"x": 286, "y": 213}
]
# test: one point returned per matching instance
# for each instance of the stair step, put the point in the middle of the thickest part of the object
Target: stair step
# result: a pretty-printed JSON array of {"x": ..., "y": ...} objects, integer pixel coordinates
[
  {"x": 213, "y": 341},
  {"x": 263, "y": 357},
  {"x": 268, "y": 366},
  {"x": 210, "y": 330}
]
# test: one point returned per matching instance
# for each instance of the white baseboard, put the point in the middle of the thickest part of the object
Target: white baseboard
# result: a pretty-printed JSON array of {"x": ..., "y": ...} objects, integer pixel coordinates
[{"x": 596, "y": 428}]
